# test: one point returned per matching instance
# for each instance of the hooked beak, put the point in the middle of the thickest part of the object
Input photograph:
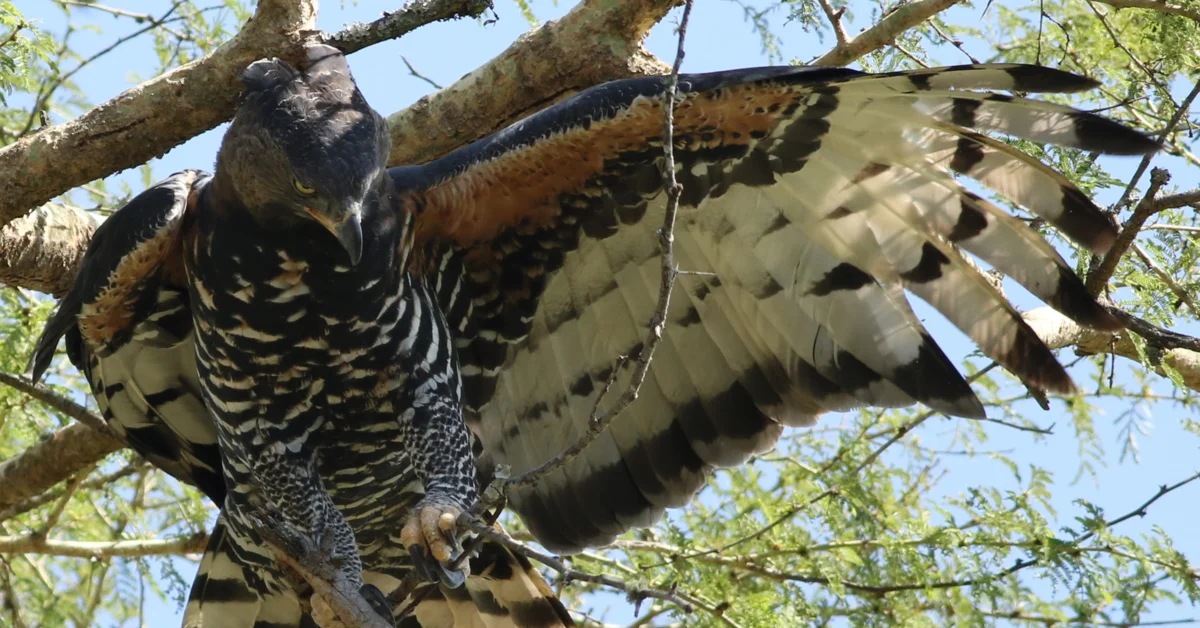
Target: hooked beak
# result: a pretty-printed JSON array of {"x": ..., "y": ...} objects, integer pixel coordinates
[{"x": 348, "y": 232}]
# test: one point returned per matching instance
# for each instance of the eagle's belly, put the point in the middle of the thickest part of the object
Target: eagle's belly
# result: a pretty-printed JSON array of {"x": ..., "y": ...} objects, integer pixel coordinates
[
  {"x": 314, "y": 361},
  {"x": 374, "y": 494}
]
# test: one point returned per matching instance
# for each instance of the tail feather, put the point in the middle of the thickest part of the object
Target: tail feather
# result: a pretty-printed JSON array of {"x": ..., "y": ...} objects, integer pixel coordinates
[
  {"x": 228, "y": 594},
  {"x": 503, "y": 591}
]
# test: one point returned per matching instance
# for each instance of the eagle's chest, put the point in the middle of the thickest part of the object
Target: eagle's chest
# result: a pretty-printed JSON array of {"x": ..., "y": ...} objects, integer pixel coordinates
[{"x": 283, "y": 334}]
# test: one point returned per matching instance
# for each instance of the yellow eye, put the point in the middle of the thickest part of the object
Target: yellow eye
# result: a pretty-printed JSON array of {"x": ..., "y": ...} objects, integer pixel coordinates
[{"x": 302, "y": 188}]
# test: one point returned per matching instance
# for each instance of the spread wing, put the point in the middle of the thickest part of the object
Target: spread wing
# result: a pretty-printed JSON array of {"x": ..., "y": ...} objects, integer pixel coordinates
[
  {"x": 129, "y": 330},
  {"x": 813, "y": 200}
]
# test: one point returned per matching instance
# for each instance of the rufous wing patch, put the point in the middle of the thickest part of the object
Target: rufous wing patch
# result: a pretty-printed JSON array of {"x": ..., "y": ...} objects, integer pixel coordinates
[
  {"x": 160, "y": 256},
  {"x": 521, "y": 188}
]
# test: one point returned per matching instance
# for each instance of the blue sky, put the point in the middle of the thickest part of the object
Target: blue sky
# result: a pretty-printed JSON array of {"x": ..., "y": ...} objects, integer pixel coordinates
[{"x": 719, "y": 38}]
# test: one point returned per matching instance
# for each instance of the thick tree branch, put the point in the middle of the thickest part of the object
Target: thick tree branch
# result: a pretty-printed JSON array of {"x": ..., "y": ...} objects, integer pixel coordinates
[
  {"x": 51, "y": 461},
  {"x": 1171, "y": 351},
  {"x": 42, "y": 249},
  {"x": 547, "y": 65},
  {"x": 147, "y": 120}
]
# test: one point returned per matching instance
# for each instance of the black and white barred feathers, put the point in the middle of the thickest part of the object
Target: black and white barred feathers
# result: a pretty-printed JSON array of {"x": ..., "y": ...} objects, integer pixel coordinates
[{"x": 815, "y": 201}]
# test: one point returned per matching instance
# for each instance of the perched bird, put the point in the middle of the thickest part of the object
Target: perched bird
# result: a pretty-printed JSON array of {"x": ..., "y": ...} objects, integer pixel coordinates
[
  {"x": 259, "y": 333},
  {"x": 350, "y": 347}
]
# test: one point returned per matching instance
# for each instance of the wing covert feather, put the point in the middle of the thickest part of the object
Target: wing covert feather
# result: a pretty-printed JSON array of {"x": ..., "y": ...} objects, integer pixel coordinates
[{"x": 128, "y": 328}]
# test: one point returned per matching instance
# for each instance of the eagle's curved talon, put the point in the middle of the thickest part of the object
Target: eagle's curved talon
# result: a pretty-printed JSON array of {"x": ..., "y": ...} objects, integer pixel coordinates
[
  {"x": 452, "y": 578},
  {"x": 430, "y": 534},
  {"x": 378, "y": 602},
  {"x": 420, "y": 562}
]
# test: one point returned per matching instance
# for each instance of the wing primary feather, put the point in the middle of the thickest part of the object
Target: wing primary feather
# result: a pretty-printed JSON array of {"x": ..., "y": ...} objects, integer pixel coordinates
[{"x": 816, "y": 197}]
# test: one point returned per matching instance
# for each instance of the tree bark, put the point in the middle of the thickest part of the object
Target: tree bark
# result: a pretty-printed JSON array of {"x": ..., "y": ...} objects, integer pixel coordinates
[
  {"x": 148, "y": 120},
  {"x": 51, "y": 461},
  {"x": 42, "y": 250},
  {"x": 1058, "y": 331},
  {"x": 598, "y": 41}
]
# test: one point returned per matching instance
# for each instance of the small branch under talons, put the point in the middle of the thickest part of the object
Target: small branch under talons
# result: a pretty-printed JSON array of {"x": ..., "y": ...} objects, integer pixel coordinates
[{"x": 295, "y": 550}]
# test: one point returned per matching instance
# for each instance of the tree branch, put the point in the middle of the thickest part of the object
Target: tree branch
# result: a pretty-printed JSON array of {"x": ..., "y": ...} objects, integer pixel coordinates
[
  {"x": 294, "y": 549},
  {"x": 1154, "y": 5},
  {"x": 57, "y": 402},
  {"x": 1099, "y": 276},
  {"x": 51, "y": 461},
  {"x": 1173, "y": 351},
  {"x": 39, "y": 544},
  {"x": 543, "y": 67},
  {"x": 636, "y": 593},
  {"x": 396, "y": 24},
  {"x": 145, "y": 121},
  {"x": 885, "y": 32},
  {"x": 42, "y": 250}
]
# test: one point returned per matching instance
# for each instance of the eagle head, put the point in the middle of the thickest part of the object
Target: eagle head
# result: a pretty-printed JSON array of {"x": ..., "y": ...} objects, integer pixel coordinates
[{"x": 305, "y": 146}]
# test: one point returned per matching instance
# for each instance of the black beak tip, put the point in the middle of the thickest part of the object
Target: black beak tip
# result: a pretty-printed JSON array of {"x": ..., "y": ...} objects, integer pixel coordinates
[{"x": 351, "y": 237}]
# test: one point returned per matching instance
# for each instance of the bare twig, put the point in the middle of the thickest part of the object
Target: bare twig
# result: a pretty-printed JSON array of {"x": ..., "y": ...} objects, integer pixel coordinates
[
  {"x": 1180, "y": 113},
  {"x": 835, "y": 21},
  {"x": 885, "y": 32},
  {"x": 598, "y": 423},
  {"x": 1183, "y": 295},
  {"x": 413, "y": 72},
  {"x": 957, "y": 43},
  {"x": 39, "y": 544},
  {"x": 57, "y": 402},
  {"x": 415, "y": 14},
  {"x": 1103, "y": 271}
]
